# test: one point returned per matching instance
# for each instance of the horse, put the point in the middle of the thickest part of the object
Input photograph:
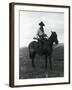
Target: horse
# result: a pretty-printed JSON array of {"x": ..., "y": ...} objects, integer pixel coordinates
[{"x": 46, "y": 49}]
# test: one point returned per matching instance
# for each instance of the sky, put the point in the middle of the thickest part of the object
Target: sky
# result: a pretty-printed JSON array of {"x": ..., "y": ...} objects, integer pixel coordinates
[{"x": 29, "y": 25}]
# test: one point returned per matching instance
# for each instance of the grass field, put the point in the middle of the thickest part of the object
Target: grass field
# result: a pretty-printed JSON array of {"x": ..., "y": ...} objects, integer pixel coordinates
[{"x": 26, "y": 70}]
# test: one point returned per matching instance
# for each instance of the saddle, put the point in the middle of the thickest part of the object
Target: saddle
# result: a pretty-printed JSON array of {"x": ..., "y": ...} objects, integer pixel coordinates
[{"x": 41, "y": 42}]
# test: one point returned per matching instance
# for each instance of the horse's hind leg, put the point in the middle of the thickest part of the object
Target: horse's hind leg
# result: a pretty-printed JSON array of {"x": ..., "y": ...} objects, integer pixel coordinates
[
  {"x": 45, "y": 62},
  {"x": 33, "y": 62},
  {"x": 33, "y": 65}
]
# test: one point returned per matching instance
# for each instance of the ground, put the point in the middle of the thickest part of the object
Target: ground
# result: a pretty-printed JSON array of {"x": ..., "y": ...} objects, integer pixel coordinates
[{"x": 26, "y": 71}]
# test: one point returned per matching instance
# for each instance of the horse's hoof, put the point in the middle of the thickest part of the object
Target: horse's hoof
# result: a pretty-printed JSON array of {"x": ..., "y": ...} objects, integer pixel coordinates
[{"x": 46, "y": 75}]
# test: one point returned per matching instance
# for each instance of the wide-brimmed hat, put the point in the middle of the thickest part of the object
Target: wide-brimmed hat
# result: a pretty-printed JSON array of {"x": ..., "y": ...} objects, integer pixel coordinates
[{"x": 41, "y": 24}]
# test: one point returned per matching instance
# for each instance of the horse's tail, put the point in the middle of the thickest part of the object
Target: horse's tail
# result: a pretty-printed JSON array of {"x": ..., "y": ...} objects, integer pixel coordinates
[{"x": 32, "y": 49}]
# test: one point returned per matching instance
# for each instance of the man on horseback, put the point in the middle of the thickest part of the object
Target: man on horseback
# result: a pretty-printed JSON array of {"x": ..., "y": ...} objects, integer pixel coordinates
[
  {"x": 40, "y": 32},
  {"x": 41, "y": 35}
]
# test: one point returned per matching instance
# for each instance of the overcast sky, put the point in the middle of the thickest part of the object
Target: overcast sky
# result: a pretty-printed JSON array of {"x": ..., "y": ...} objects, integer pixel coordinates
[{"x": 29, "y": 25}]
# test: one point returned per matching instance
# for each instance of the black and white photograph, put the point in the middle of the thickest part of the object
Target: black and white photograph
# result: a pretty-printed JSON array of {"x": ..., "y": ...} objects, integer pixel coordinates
[
  {"x": 41, "y": 52},
  {"x": 41, "y": 44}
]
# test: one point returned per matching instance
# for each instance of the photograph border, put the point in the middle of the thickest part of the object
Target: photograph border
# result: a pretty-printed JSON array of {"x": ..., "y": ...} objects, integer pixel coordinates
[{"x": 11, "y": 43}]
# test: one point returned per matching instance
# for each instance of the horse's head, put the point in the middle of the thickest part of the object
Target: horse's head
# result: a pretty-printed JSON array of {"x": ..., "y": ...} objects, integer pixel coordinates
[{"x": 54, "y": 37}]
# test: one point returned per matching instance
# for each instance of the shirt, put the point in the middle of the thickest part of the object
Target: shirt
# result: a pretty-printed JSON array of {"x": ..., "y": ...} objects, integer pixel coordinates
[{"x": 40, "y": 32}]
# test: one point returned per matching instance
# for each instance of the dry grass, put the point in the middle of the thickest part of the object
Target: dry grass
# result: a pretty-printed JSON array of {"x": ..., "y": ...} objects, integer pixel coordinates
[{"x": 26, "y": 70}]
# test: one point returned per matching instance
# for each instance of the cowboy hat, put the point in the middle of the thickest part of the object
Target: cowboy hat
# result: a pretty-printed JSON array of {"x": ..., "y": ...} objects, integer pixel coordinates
[{"x": 41, "y": 24}]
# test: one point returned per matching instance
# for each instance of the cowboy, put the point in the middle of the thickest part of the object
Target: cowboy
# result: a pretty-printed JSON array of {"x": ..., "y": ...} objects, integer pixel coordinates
[
  {"x": 40, "y": 32},
  {"x": 41, "y": 35}
]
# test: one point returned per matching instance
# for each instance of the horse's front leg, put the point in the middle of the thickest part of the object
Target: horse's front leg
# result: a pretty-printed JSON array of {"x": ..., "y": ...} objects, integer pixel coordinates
[
  {"x": 46, "y": 62},
  {"x": 50, "y": 62}
]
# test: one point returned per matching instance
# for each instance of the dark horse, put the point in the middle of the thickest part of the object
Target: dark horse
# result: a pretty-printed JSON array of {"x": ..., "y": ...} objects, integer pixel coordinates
[{"x": 45, "y": 50}]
